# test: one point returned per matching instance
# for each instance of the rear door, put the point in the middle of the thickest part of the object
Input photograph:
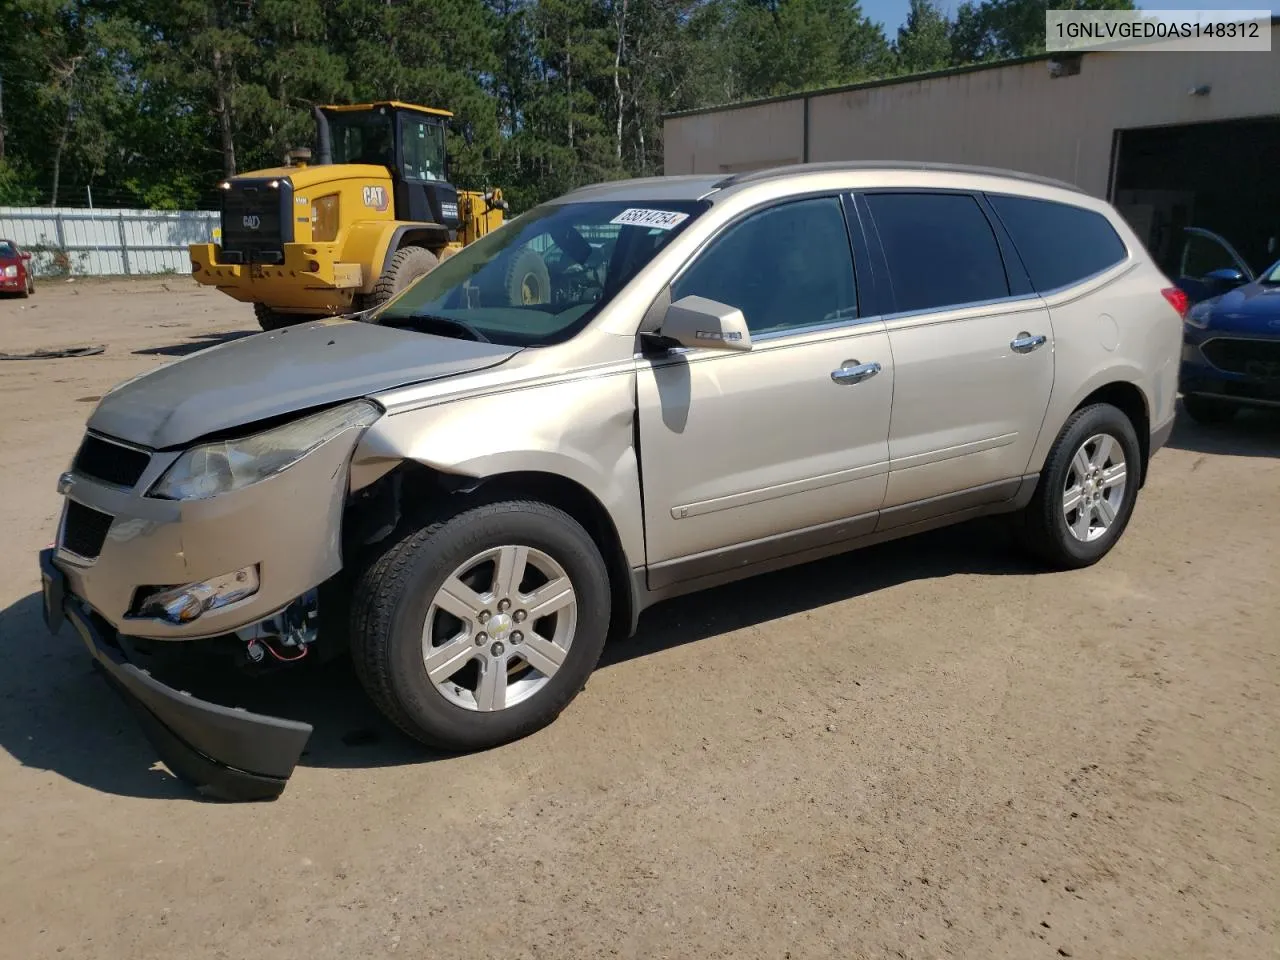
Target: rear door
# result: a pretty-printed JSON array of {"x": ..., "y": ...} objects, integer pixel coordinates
[{"x": 972, "y": 350}]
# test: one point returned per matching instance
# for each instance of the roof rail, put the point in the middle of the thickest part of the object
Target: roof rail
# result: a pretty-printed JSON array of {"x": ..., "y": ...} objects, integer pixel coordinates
[{"x": 771, "y": 173}]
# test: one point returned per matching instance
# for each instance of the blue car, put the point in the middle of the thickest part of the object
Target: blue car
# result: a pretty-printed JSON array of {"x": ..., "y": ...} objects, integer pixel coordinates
[{"x": 1231, "y": 336}]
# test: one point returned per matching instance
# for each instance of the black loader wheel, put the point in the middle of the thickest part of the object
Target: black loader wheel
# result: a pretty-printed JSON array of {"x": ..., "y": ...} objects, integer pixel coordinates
[
  {"x": 269, "y": 319},
  {"x": 528, "y": 280},
  {"x": 407, "y": 265}
]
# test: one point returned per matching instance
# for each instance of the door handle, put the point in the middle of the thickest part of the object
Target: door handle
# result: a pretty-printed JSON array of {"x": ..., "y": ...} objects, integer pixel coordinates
[
  {"x": 854, "y": 372},
  {"x": 1025, "y": 342}
]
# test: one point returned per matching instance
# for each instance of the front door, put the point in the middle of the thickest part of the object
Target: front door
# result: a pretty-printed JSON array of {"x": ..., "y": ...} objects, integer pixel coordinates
[
  {"x": 973, "y": 366},
  {"x": 1209, "y": 265},
  {"x": 750, "y": 455}
]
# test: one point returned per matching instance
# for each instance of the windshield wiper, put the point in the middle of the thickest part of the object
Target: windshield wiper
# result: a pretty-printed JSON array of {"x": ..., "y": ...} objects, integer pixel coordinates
[{"x": 431, "y": 319}]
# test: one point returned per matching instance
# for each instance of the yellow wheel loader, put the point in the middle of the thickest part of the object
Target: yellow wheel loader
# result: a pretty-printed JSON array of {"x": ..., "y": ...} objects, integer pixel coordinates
[{"x": 371, "y": 214}]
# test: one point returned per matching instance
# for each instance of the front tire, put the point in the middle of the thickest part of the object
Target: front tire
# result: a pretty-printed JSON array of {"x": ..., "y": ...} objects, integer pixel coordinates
[
  {"x": 407, "y": 265},
  {"x": 1087, "y": 489},
  {"x": 480, "y": 629},
  {"x": 1208, "y": 411}
]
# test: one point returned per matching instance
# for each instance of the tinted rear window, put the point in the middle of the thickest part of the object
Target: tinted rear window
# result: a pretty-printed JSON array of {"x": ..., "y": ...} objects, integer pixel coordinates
[
  {"x": 941, "y": 250},
  {"x": 1059, "y": 244}
]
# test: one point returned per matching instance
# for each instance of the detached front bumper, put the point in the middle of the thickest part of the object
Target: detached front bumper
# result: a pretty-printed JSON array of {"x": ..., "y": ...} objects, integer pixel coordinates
[{"x": 224, "y": 752}]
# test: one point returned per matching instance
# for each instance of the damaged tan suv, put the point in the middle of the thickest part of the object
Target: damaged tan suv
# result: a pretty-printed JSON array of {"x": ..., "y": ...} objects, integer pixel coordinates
[{"x": 704, "y": 378}]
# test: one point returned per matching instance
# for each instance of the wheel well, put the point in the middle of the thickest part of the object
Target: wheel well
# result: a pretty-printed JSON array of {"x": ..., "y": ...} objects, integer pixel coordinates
[
  {"x": 416, "y": 494},
  {"x": 1131, "y": 402},
  {"x": 432, "y": 236}
]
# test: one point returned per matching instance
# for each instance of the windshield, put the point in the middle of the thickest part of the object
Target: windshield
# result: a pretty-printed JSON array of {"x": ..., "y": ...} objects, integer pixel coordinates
[
  {"x": 362, "y": 138},
  {"x": 6, "y": 249},
  {"x": 541, "y": 277}
]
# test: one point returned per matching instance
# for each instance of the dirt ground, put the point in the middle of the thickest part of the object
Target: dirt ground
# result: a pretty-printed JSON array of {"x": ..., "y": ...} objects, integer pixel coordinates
[{"x": 922, "y": 750}]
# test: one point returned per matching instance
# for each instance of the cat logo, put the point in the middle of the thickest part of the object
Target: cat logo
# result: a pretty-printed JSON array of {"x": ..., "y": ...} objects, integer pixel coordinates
[
  {"x": 375, "y": 198},
  {"x": 251, "y": 222}
]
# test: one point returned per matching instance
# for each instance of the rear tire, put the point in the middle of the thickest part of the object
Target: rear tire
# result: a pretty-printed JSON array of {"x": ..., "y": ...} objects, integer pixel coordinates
[
  {"x": 528, "y": 281},
  {"x": 407, "y": 265},
  {"x": 269, "y": 319},
  {"x": 402, "y": 616},
  {"x": 1208, "y": 411},
  {"x": 1087, "y": 490}
]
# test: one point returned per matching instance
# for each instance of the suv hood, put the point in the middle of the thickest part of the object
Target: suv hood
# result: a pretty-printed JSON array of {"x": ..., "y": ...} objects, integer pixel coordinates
[{"x": 270, "y": 374}]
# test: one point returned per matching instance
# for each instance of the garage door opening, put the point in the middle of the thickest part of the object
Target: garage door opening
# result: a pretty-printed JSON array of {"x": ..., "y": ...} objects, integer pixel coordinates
[{"x": 1219, "y": 176}]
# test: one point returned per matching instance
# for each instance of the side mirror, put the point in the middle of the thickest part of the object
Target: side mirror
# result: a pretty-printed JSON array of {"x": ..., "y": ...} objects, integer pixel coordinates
[
  {"x": 25, "y": 255},
  {"x": 699, "y": 322},
  {"x": 1225, "y": 277}
]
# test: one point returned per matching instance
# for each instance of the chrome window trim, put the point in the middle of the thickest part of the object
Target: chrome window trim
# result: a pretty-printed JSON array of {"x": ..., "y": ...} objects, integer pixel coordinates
[{"x": 961, "y": 307}]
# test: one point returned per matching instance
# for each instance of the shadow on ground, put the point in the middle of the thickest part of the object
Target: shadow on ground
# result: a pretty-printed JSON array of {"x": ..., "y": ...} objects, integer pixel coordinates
[
  {"x": 201, "y": 341},
  {"x": 1250, "y": 433},
  {"x": 57, "y": 714}
]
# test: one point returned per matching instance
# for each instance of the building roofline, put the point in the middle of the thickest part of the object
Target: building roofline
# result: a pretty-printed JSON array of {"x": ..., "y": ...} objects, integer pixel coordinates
[
  {"x": 896, "y": 81},
  {"x": 861, "y": 85}
]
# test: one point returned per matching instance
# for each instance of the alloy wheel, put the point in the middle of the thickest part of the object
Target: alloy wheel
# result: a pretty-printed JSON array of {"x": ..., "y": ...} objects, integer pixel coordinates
[
  {"x": 499, "y": 628},
  {"x": 1093, "y": 491}
]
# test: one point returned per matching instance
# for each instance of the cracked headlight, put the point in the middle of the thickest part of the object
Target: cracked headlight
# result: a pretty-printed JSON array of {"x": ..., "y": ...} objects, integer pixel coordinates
[{"x": 213, "y": 468}]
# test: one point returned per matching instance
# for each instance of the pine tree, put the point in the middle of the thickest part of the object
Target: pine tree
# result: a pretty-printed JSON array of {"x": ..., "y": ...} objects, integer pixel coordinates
[{"x": 923, "y": 42}]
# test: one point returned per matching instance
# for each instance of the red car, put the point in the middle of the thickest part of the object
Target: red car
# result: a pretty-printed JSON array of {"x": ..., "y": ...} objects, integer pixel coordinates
[{"x": 15, "y": 270}]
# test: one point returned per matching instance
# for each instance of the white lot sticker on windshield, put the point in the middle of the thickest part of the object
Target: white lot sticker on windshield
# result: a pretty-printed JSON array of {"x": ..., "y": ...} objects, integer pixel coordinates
[{"x": 658, "y": 219}]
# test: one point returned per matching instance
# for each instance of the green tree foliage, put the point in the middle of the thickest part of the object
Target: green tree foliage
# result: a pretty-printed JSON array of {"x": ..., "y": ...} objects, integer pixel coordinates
[
  {"x": 924, "y": 41},
  {"x": 151, "y": 102},
  {"x": 999, "y": 29}
]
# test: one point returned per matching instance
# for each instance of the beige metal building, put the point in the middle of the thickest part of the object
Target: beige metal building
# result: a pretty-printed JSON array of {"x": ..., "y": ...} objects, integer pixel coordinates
[{"x": 1173, "y": 139}]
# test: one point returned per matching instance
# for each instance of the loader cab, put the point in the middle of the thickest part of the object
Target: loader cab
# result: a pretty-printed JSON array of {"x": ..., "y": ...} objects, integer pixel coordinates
[{"x": 408, "y": 140}]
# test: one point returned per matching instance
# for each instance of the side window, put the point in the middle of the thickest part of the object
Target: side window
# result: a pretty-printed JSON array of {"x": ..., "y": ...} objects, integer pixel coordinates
[
  {"x": 786, "y": 267},
  {"x": 1059, "y": 244},
  {"x": 940, "y": 248}
]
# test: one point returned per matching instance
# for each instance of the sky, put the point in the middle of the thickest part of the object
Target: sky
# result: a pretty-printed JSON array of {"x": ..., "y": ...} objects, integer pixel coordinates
[{"x": 892, "y": 13}]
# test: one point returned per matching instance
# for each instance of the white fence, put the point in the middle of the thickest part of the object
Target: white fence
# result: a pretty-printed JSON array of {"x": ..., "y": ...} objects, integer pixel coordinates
[{"x": 107, "y": 242}]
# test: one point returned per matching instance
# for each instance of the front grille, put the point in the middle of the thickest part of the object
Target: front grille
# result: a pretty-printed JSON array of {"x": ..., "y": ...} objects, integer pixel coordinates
[
  {"x": 256, "y": 220},
  {"x": 1255, "y": 358},
  {"x": 84, "y": 530},
  {"x": 110, "y": 462}
]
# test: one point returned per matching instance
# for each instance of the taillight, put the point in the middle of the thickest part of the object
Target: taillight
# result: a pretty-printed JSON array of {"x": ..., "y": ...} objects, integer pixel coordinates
[{"x": 1178, "y": 300}]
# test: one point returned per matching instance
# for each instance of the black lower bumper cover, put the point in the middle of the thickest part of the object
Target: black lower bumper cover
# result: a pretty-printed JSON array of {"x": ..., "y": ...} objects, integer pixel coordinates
[{"x": 224, "y": 752}]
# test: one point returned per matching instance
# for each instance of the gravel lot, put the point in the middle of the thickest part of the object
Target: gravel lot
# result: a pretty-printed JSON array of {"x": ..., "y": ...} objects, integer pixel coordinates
[{"x": 925, "y": 749}]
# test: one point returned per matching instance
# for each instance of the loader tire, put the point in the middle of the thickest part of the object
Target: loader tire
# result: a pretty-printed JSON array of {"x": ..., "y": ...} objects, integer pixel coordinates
[
  {"x": 269, "y": 319},
  {"x": 406, "y": 266},
  {"x": 528, "y": 281}
]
